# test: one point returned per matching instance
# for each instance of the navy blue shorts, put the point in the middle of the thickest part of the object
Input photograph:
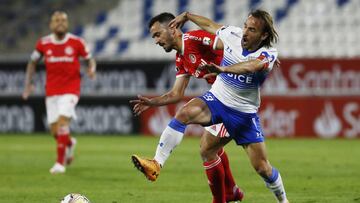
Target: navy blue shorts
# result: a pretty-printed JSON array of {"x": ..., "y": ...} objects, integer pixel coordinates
[{"x": 244, "y": 128}]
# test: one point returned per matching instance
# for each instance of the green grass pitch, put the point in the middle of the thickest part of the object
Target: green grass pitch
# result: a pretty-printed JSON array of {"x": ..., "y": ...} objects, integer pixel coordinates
[{"x": 314, "y": 171}]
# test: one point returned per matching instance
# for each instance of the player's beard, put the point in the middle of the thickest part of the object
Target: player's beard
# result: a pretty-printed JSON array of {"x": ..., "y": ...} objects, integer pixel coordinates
[
  {"x": 60, "y": 34},
  {"x": 61, "y": 30},
  {"x": 168, "y": 49}
]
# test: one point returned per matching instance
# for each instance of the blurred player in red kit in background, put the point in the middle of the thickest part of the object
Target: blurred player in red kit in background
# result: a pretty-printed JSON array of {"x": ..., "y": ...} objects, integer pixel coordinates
[{"x": 61, "y": 51}]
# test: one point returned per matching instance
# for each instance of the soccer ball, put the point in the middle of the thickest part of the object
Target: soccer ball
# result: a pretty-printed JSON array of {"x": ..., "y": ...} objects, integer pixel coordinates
[{"x": 75, "y": 198}]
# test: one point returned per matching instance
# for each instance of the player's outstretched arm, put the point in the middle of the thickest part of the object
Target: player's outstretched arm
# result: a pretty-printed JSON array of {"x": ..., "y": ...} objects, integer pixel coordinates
[
  {"x": 91, "y": 70},
  {"x": 142, "y": 103},
  {"x": 201, "y": 21},
  {"x": 239, "y": 68},
  {"x": 28, "y": 86}
]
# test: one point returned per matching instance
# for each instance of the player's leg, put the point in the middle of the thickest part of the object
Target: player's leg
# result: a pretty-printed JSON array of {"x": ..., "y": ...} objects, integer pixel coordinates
[
  {"x": 216, "y": 164},
  {"x": 193, "y": 112},
  {"x": 67, "y": 114},
  {"x": 214, "y": 169},
  {"x": 53, "y": 129},
  {"x": 52, "y": 113},
  {"x": 65, "y": 144},
  {"x": 52, "y": 117},
  {"x": 209, "y": 149},
  {"x": 271, "y": 176},
  {"x": 63, "y": 138}
]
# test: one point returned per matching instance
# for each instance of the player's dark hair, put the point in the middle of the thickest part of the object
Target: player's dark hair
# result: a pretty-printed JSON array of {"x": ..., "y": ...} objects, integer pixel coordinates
[
  {"x": 268, "y": 26},
  {"x": 161, "y": 18},
  {"x": 58, "y": 12}
]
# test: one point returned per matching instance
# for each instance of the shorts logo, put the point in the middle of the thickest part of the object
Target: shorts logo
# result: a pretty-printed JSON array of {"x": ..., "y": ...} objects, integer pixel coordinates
[
  {"x": 192, "y": 58},
  {"x": 258, "y": 135},
  {"x": 213, "y": 127},
  {"x": 69, "y": 50}
]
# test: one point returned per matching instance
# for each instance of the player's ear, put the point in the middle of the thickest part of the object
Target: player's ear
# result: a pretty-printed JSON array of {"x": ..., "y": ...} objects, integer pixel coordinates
[
  {"x": 172, "y": 31},
  {"x": 264, "y": 36}
]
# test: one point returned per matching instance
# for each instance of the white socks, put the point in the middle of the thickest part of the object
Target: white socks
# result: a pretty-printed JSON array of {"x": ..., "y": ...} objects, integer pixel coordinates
[
  {"x": 277, "y": 187},
  {"x": 169, "y": 139}
]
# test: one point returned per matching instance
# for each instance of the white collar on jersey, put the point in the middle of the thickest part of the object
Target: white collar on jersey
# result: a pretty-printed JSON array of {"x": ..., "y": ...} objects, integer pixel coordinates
[
  {"x": 182, "y": 44},
  {"x": 55, "y": 41}
]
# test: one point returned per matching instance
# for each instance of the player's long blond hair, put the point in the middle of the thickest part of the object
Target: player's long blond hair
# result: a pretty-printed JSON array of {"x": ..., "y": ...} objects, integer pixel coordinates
[{"x": 268, "y": 27}]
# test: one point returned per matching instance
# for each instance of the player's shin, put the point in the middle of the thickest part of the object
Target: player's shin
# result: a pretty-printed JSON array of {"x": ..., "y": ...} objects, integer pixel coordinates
[
  {"x": 63, "y": 139},
  {"x": 216, "y": 179},
  {"x": 169, "y": 139},
  {"x": 276, "y": 186},
  {"x": 229, "y": 179}
]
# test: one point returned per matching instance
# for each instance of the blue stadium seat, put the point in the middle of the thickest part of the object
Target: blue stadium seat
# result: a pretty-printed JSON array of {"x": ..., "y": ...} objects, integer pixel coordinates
[{"x": 306, "y": 28}]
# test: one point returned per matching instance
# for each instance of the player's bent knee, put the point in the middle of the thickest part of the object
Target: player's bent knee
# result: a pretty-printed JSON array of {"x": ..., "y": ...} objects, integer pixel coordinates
[
  {"x": 203, "y": 154},
  {"x": 184, "y": 115},
  {"x": 53, "y": 129},
  {"x": 63, "y": 120},
  {"x": 207, "y": 154}
]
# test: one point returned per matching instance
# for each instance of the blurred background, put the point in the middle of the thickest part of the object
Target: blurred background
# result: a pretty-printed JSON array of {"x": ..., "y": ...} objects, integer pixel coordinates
[{"x": 315, "y": 92}]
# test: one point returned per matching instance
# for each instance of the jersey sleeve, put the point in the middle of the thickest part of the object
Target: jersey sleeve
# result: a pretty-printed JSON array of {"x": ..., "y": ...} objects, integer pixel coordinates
[
  {"x": 38, "y": 51},
  {"x": 225, "y": 32},
  {"x": 268, "y": 57},
  {"x": 84, "y": 50},
  {"x": 203, "y": 38},
  {"x": 179, "y": 63}
]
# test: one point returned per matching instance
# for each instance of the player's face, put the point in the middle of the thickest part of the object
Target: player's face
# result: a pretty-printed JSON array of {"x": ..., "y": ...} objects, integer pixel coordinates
[
  {"x": 253, "y": 33},
  {"x": 162, "y": 36},
  {"x": 59, "y": 23}
]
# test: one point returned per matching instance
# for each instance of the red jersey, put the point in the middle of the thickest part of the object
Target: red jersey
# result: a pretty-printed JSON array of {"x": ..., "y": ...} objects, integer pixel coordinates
[
  {"x": 61, "y": 62},
  {"x": 198, "y": 49}
]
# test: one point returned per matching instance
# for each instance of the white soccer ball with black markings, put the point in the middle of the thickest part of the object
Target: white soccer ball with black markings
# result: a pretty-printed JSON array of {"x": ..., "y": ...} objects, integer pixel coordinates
[{"x": 75, "y": 198}]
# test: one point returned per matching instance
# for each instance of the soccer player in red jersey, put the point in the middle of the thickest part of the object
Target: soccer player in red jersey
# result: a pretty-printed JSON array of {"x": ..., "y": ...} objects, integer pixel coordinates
[
  {"x": 61, "y": 51},
  {"x": 194, "y": 49}
]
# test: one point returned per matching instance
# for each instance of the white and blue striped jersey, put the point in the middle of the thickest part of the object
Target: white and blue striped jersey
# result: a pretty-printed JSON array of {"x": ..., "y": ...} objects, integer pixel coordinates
[{"x": 240, "y": 92}]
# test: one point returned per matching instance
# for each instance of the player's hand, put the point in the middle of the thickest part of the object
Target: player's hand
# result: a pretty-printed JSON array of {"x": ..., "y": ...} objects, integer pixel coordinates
[
  {"x": 139, "y": 108},
  {"x": 213, "y": 70},
  {"x": 141, "y": 104},
  {"x": 91, "y": 73},
  {"x": 178, "y": 21},
  {"x": 27, "y": 91}
]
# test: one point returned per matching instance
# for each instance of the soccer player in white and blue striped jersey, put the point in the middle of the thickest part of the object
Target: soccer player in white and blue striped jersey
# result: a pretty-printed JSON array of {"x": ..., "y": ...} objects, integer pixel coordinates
[{"x": 234, "y": 98}]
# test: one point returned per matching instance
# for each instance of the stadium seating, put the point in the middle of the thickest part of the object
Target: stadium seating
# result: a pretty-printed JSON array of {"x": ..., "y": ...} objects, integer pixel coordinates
[
  {"x": 307, "y": 28},
  {"x": 23, "y": 22},
  {"x": 323, "y": 28}
]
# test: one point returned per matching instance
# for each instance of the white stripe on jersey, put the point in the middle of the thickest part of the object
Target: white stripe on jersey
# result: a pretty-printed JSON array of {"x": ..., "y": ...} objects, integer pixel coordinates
[
  {"x": 35, "y": 56},
  {"x": 241, "y": 92}
]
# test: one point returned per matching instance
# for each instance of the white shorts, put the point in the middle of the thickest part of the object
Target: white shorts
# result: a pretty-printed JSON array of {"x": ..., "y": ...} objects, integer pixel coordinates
[
  {"x": 218, "y": 130},
  {"x": 61, "y": 105}
]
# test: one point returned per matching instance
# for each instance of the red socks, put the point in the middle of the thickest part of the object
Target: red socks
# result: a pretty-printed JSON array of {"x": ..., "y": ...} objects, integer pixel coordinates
[
  {"x": 216, "y": 179},
  {"x": 62, "y": 140},
  {"x": 229, "y": 179},
  {"x": 220, "y": 179}
]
